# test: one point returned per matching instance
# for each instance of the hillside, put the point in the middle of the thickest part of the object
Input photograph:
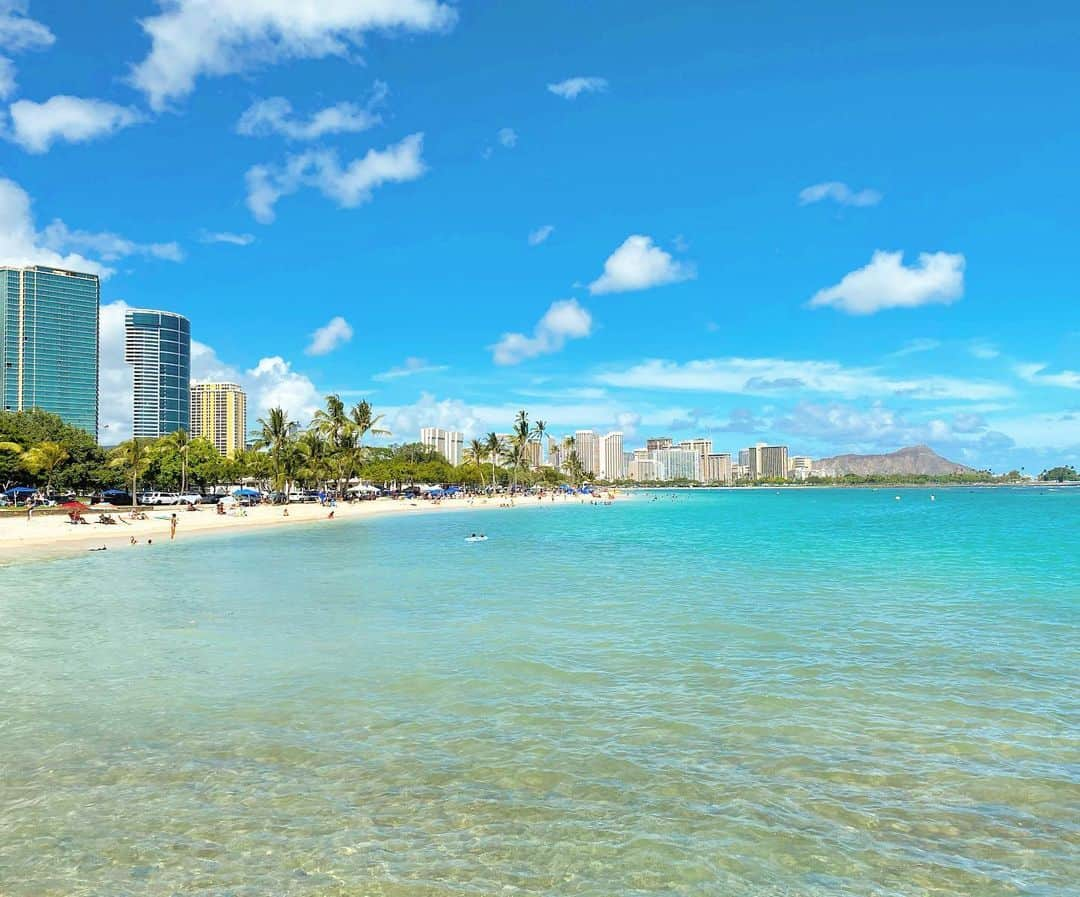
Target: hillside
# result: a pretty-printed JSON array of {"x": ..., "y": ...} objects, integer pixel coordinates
[{"x": 914, "y": 459}]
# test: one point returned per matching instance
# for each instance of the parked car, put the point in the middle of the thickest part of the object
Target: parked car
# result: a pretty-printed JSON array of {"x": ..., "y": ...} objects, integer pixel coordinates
[
  {"x": 159, "y": 498},
  {"x": 188, "y": 498},
  {"x": 210, "y": 499},
  {"x": 116, "y": 497}
]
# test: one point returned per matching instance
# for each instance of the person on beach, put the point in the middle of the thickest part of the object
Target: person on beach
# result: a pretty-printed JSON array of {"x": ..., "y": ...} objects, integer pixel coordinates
[
  {"x": 330, "y": 516},
  {"x": 172, "y": 527},
  {"x": 29, "y": 509}
]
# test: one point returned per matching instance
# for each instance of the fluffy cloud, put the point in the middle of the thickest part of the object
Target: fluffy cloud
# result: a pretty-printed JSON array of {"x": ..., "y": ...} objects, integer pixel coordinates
[
  {"x": 18, "y": 34},
  {"x": 507, "y": 137},
  {"x": 410, "y": 368},
  {"x": 195, "y": 38},
  {"x": 887, "y": 283},
  {"x": 774, "y": 376},
  {"x": 637, "y": 265},
  {"x": 334, "y": 334},
  {"x": 349, "y": 186},
  {"x": 275, "y": 116},
  {"x": 572, "y": 88},
  {"x": 107, "y": 246},
  {"x": 917, "y": 346},
  {"x": 22, "y": 244},
  {"x": 1033, "y": 373},
  {"x": 564, "y": 320},
  {"x": 840, "y": 193},
  {"x": 226, "y": 237},
  {"x": 539, "y": 235},
  {"x": 37, "y": 126}
]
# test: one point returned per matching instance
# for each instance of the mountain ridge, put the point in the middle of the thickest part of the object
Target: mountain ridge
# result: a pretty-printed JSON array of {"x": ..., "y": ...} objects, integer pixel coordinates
[{"x": 914, "y": 460}]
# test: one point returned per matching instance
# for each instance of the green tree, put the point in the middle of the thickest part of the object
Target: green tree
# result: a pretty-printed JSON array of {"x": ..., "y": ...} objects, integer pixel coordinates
[
  {"x": 1061, "y": 474},
  {"x": 276, "y": 433},
  {"x": 474, "y": 453},
  {"x": 43, "y": 460},
  {"x": 495, "y": 449},
  {"x": 133, "y": 458}
]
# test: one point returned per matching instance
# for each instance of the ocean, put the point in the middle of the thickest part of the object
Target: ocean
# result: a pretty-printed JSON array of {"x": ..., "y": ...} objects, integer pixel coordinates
[{"x": 749, "y": 692}]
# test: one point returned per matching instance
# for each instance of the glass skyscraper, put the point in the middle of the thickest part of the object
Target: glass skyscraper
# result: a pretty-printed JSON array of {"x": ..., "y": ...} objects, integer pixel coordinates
[
  {"x": 49, "y": 343},
  {"x": 157, "y": 344}
]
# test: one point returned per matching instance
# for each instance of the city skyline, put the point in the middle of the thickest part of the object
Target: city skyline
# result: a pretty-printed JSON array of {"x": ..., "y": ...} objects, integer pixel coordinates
[{"x": 856, "y": 293}]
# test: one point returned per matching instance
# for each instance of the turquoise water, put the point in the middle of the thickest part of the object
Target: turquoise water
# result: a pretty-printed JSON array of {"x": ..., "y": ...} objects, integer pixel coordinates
[{"x": 800, "y": 693}]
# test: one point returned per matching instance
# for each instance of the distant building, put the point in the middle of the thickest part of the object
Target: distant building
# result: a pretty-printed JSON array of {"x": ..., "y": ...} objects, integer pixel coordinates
[
  {"x": 587, "y": 445},
  {"x": 658, "y": 443},
  {"x": 801, "y": 467},
  {"x": 447, "y": 443},
  {"x": 219, "y": 413},
  {"x": 555, "y": 454},
  {"x": 49, "y": 343},
  {"x": 704, "y": 448},
  {"x": 643, "y": 470},
  {"x": 773, "y": 460},
  {"x": 677, "y": 464},
  {"x": 744, "y": 457},
  {"x": 157, "y": 344},
  {"x": 611, "y": 459},
  {"x": 718, "y": 468},
  {"x": 532, "y": 454},
  {"x": 740, "y": 472}
]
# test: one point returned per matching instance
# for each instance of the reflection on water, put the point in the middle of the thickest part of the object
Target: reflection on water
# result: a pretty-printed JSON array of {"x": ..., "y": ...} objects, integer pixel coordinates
[{"x": 737, "y": 693}]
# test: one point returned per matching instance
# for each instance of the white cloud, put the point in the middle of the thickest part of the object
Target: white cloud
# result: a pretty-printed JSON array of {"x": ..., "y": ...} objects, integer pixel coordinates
[
  {"x": 17, "y": 34},
  {"x": 349, "y": 186},
  {"x": 539, "y": 235},
  {"x": 114, "y": 376},
  {"x": 564, "y": 320},
  {"x": 22, "y": 244},
  {"x": 275, "y": 116},
  {"x": 917, "y": 346},
  {"x": 226, "y": 237},
  {"x": 334, "y": 334},
  {"x": 983, "y": 351},
  {"x": 409, "y": 368},
  {"x": 1033, "y": 373},
  {"x": 777, "y": 376},
  {"x": 36, "y": 126},
  {"x": 507, "y": 137},
  {"x": 637, "y": 265},
  {"x": 840, "y": 193},
  {"x": 195, "y": 38},
  {"x": 107, "y": 246},
  {"x": 274, "y": 384},
  {"x": 571, "y": 88},
  {"x": 887, "y": 283}
]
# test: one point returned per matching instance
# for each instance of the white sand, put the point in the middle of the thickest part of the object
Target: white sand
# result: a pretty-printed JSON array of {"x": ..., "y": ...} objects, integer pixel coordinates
[{"x": 46, "y": 535}]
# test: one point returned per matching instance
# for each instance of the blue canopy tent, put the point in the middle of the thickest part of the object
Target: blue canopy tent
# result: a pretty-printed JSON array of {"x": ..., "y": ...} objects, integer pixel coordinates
[
  {"x": 17, "y": 492},
  {"x": 437, "y": 492},
  {"x": 246, "y": 493},
  {"x": 453, "y": 490}
]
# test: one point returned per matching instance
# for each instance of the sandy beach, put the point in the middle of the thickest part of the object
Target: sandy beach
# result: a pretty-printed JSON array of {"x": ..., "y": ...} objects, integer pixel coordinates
[{"x": 49, "y": 535}]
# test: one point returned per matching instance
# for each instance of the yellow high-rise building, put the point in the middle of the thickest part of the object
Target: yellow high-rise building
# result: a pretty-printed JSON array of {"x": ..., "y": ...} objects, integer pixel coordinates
[{"x": 219, "y": 413}]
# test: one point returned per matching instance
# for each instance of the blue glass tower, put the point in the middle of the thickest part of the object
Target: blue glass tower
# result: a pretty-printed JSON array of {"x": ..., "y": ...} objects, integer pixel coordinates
[
  {"x": 49, "y": 343},
  {"x": 157, "y": 344}
]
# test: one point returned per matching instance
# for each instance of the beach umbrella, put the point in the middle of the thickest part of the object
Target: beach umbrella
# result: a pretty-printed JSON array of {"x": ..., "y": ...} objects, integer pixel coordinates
[
  {"x": 246, "y": 493},
  {"x": 75, "y": 506}
]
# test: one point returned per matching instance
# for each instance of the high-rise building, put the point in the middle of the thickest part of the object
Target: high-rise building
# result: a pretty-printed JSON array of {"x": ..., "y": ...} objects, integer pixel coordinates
[
  {"x": 157, "y": 344},
  {"x": 704, "y": 448},
  {"x": 677, "y": 464},
  {"x": 643, "y": 469},
  {"x": 773, "y": 460},
  {"x": 717, "y": 468},
  {"x": 744, "y": 457},
  {"x": 219, "y": 413},
  {"x": 657, "y": 443},
  {"x": 555, "y": 453},
  {"x": 753, "y": 460},
  {"x": 611, "y": 457},
  {"x": 446, "y": 442},
  {"x": 532, "y": 454},
  {"x": 49, "y": 343},
  {"x": 587, "y": 445},
  {"x": 801, "y": 467}
]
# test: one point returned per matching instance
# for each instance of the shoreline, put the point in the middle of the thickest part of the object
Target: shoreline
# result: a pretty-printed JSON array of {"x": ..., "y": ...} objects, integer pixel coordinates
[{"x": 52, "y": 536}]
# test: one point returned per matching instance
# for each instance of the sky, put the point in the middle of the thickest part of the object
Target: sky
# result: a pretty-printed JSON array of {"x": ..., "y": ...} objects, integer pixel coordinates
[{"x": 842, "y": 227}]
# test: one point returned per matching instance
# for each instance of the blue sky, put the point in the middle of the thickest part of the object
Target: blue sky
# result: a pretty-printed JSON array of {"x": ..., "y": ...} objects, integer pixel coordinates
[{"x": 845, "y": 229}]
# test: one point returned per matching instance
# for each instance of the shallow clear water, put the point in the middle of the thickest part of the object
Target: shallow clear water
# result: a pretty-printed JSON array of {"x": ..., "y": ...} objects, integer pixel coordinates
[{"x": 813, "y": 692}]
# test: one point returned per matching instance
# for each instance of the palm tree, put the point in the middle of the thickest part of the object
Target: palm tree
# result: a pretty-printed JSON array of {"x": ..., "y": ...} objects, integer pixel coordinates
[
  {"x": 276, "y": 434},
  {"x": 133, "y": 457},
  {"x": 495, "y": 448},
  {"x": 312, "y": 448},
  {"x": 180, "y": 441},
  {"x": 516, "y": 457},
  {"x": 475, "y": 452},
  {"x": 572, "y": 462},
  {"x": 363, "y": 421},
  {"x": 44, "y": 458},
  {"x": 539, "y": 432}
]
